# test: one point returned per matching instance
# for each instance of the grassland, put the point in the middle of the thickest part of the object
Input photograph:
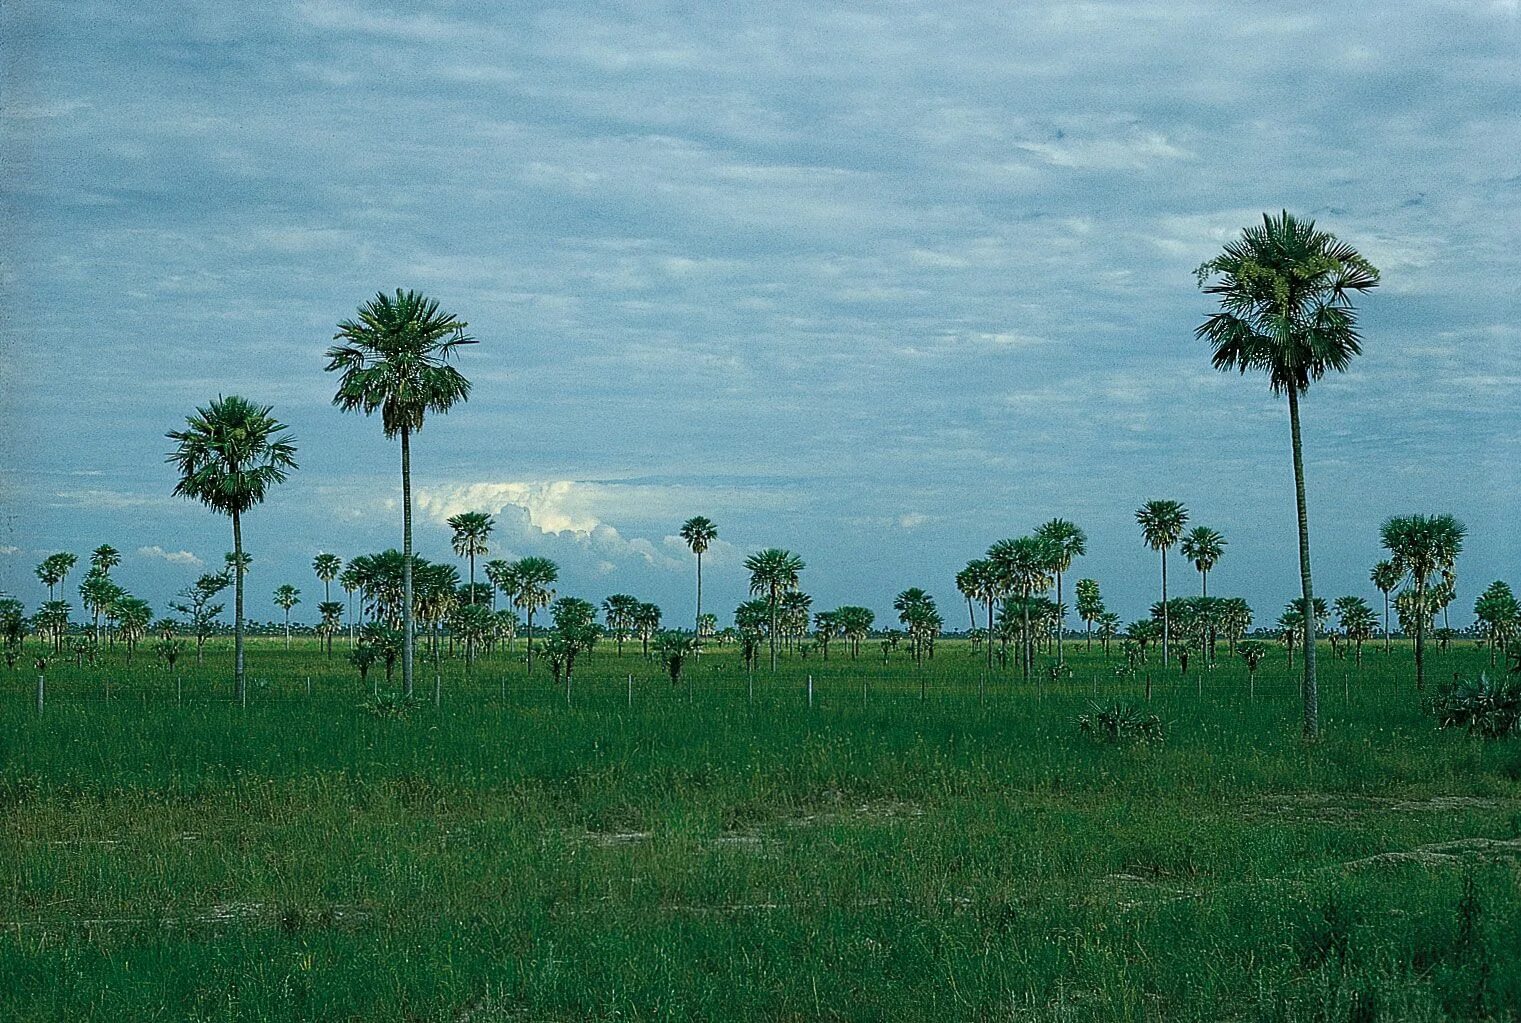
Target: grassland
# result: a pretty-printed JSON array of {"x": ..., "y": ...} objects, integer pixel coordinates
[{"x": 700, "y": 854}]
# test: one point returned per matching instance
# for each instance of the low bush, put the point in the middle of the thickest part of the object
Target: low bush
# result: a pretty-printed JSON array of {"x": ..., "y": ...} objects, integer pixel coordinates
[
  {"x": 1121, "y": 723},
  {"x": 1488, "y": 708}
]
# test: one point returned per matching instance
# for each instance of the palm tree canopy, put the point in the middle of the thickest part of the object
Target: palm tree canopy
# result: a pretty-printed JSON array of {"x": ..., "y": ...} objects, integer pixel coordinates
[
  {"x": 1285, "y": 292},
  {"x": 327, "y": 566},
  {"x": 1204, "y": 547},
  {"x": 1422, "y": 545},
  {"x": 1161, "y": 523},
  {"x": 230, "y": 453},
  {"x": 287, "y": 597},
  {"x": 773, "y": 568},
  {"x": 534, "y": 577},
  {"x": 394, "y": 358},
  {"x": 699, "y": 533},
  {"x": 471, "y": 531},
  {"x": 1067, "y": 541},
  {"x": 1022, "y": 564},
  {"x": 105, "y": 557}
]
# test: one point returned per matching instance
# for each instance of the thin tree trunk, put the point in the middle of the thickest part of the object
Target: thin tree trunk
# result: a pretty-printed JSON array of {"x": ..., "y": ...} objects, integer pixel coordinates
[
  {"x": 1386, "y": 622},
  {"x": 990, "y": 634},
  {"x": 773, "y": 629},
  {"x": 1025, "y": 617},
  {"x": 239, "y": 682},
  {"x": 697, "y": 624},
  {"x": 530, "y": 639},
  {"x": 1420, "y": 634},
  {"x": 1311, "y": 688},
  {"x": 1165, "y": 626},
  {"x": 1061, "y": 622},
  {"x": 407, "y": 637}
]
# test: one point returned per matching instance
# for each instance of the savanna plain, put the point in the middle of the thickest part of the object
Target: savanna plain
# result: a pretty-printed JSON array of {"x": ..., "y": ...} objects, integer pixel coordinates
[{"x": 930, "y": 842}]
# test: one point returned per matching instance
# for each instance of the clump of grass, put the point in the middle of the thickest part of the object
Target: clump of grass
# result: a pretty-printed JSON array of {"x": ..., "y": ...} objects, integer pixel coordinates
[
  {"x": 1121, "y": 723},
  {"x": 1491, "y": 709},
  {"x": 392, "y": 706}
]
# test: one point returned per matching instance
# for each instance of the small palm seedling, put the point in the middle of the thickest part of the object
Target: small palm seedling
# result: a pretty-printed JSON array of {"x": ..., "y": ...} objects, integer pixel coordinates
[{"x": 1121, "y": 723}]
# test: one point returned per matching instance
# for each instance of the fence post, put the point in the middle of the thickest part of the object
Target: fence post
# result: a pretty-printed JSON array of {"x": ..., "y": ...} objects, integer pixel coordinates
[
  {"x": 41, "y": 687},
  {"x": 810, "y": 691},
  {"x": 631, "y": 691}
]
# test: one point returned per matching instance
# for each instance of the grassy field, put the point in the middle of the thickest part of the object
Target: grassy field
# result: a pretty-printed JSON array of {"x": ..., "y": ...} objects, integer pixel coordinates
[{"x": 702, "y": 854}]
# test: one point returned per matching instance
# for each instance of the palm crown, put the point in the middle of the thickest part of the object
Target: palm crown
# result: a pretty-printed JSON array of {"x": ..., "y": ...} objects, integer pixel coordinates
[
  {"x": 230, "y": 453},
  {"x": 699, "y": 533},
  {"x": 394, "y": 359},
  {"x": 1285, "y": 302},
  {"x": 1161, "y": 523}
]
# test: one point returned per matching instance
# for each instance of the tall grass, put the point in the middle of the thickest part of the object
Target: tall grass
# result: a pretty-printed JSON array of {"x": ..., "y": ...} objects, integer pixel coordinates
[{"x": 700, "y": 854}]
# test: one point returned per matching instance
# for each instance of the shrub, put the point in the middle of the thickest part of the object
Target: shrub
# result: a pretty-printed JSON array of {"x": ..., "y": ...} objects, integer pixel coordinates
[
  {"x": 389, "y": 705},
  {"x": 1490, "y": 709},
  {"x": 1121, "y": 723}
]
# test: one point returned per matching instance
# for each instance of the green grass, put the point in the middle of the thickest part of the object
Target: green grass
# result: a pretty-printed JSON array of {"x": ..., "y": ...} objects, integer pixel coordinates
[{"x": 700, "y": 855}]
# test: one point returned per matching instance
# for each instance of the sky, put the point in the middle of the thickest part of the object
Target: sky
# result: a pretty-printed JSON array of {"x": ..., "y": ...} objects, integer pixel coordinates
[{"x": 880, "y": 284}]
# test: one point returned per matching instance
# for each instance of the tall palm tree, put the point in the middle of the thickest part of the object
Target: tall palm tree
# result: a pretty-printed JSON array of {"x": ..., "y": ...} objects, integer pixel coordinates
[
  {"x": 55, "y": 569},
  {"x": 327, "y": 567},
  {"x": 471, "y": 531},
  {"x": 1204, "y": 547},
  {"x": 229, "y": 456},
  {"x": 618, "y": 610},
  {"x": 1090, "y": 605},
  {"x": 1023, "y": 566},
  {"x": 1162, "y": 525},
  {"x": 699, "y": 533},
  {"x": 287, "y": 597},
  {"x": 1285, "y": 291},
  {"x": 499, "y": 575},
  {"x": 1420, "y": 548},
  {"x": 104, "y": 558},
  {"x": 534, "y": 578},
  {"x": 394, "y": 358},
  {"x": 1067, "y": 541},
  {"x": 773, "y": 571},
  {"x": 1386, "y": 579}
]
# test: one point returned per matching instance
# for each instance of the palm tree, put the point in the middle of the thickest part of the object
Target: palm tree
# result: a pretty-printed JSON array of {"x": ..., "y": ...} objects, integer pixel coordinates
[
  {"x": 395, "y": 359},
  {"x": 1357, "y": 621},
  {"x": 1420, "y": 547},
  {"x": 1023, "y": 565},
  {"x": 499, "y": 575},
  {"x": 104, "y": 558},
  {"x": 1386, "y": 579},
  {"x": 1285, "y": 291},
  {"x": 773, "y": 572},
  {"x": 287, "y": 597},
  {"x": 1498, "y": 614},
  {"x": 327, "y": 567},
  {"x": 97, "y": 592},
  {"x": 646, "y": 621},
  {"x": 1090, "y": 605},
  {"x": 699, "y": 533},
  {"x": 471, "y": 531},
  {"x": 1204, "y": 547},
  {"x": 55, "y": 568},
  {"x": 229, "y": 456},
  {"x": 1162, "y": 525},
  {"x": 534, "y": 579},
  {"x": 618, "y": 611},
  {"x": 1067, "y": 541},
  {"x": 133, "y": 615}
]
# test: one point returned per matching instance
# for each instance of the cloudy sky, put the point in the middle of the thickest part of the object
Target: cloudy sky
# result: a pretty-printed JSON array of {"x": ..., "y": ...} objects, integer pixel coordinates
[{"x": 878, "y": 283}]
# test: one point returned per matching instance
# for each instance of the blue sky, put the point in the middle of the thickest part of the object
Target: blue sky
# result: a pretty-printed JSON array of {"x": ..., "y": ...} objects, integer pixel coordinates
[{"x": 878, "y": 284}]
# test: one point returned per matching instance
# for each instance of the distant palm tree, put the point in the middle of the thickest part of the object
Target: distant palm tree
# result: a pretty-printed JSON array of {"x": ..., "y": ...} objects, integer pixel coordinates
[
  {"x": 618, "y": 610},
  {"x": 699, "y": 533},
  {"x": 1204, "y": 547},
  {"x": 287, "y": 597},
  {"x": 1285, "y": 291},
  {"x": 97, "y": 592},
  {"x": 1498, "y": 615},
  {"x": 471, "y": 531},
  {"x": 1421, "y": 547},
  {"x": 327, "y": 567},
  {"x": 394, "y": 358},
  {"x": 1090, "y": 605},
  {"x": 229, "y": 456},
  {"x": 55, "y": 568},
  {"x": 104, "y": 558},
  {"x": 1386, "y": 579},
  {"x": 773, "y": 572},
  {"x": 1162, "y": 525},
  {"x": 534, "y": 578},
  {"x": 1067, "y": 541},
  {"x": 1023, "y": 566}
]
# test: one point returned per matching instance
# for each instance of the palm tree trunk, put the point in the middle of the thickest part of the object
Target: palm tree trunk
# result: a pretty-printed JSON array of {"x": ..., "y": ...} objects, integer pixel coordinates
[
  {"x": 1311, "y": 688},
  {"x": 530, "y": 639},
  {"x": 990, "y": 634},
  {"x": 1024, "y": 599},
  {"x": 1165, "y": 628},
  {"x": 773, "y": 629},
  {"x": 239, "y": 683},
  {"x": 697, "y": 623},
  {"x": 1420, "y": 634},
  {"x": 1061, "y": 622},
  {"x": 407, "y": 638}
]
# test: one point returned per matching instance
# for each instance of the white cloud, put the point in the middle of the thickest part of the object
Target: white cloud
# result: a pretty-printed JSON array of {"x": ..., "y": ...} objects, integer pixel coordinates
[
  {"x": 173, "y": 557},
  {"x": 8, "y": 550},
  {"x": 912, "y": 519}
]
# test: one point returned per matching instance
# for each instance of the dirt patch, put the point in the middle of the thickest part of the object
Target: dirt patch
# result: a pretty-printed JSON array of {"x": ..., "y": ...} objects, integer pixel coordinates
[{"x": 1334, "y": 809}]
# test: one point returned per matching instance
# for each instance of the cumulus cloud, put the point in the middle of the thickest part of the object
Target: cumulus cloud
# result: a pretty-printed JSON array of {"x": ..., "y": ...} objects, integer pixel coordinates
[
  {"x": 173, "y": 557},
  {"x": 8, "y": 550}
]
